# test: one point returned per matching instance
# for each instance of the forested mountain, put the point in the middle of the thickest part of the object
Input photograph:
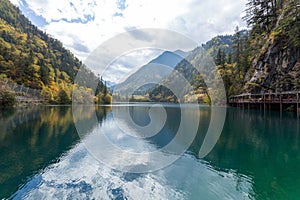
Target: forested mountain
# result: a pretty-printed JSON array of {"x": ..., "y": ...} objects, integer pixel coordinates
[
  {"x": 226, "y": 51},
  {"x": 265, "y": 58},
  {"x": 222, "y": 46},
  {"x": 275, "y": 42},
  {"x": 164, "y": 91},
  {"x": 30, "y": 57}
]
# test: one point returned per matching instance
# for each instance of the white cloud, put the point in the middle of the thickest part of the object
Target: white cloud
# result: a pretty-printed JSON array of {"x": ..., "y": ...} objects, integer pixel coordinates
[
  {"x": 128, "y": 64},
  {"x": 84, "y": 25},
  {"x": 62, "y": 9},
  {"x": 135, "y": 41},
  {"x": 16, "y": 2},
  {"x": 207, "y": 19}
]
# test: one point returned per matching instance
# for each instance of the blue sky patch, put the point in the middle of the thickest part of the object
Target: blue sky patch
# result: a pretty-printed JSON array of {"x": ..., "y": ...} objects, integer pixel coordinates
[
  {"x": 37, "y": 20},
  {"x": 117, "y": 14},
  {"x": 121, "y": 4}
]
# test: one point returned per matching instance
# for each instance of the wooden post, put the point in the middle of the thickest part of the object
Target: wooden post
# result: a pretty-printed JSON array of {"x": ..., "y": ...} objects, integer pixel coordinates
[
  {"x": 280, "y": 99},
  {"x": 249, "y": 97},
  {"x": 242, "y": 102},
  {"x": 297, "y": 106},
  {"x": 264, "y": 99},
  {"x": 270, "y": 101},
  {"x": 260, "y": 106}
]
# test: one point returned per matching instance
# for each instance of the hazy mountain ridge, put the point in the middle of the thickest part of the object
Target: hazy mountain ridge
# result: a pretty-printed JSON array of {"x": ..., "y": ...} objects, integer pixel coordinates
[{"x": 150, "y": 74}]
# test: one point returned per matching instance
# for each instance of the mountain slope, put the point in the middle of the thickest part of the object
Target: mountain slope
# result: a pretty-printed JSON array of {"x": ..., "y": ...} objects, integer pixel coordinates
[
  {"x": 276, "y": 66},
  {"x": 32, "y": 58},
  {"x": 150, "y": 74},
  {"x": 188, "y": 69},
  {"x": 170, "y": 59},
  {"x": 222, "y": 42}
]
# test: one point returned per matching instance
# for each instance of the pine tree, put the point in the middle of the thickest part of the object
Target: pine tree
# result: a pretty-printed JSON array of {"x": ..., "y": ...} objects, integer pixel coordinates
[
  {"x": 237, "y": 48},
  {"x": 219, "y": 57},
  {"x": 261, "y": 15}
]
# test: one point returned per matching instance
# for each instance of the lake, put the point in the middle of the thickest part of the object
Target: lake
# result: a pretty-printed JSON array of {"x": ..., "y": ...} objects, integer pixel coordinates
[{"x": 257, "y": 155}]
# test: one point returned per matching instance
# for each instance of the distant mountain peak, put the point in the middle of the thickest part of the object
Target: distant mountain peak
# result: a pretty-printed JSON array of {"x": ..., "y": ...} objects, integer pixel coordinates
[
  {"x": 169, "y": 58},
  {"x": 181, "y": 53},
  {"x": 153, "y": 71}
]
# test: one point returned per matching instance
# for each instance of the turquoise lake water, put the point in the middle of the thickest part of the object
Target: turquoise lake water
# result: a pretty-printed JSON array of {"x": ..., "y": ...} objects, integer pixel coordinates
[{"x": 42, "y": 156}]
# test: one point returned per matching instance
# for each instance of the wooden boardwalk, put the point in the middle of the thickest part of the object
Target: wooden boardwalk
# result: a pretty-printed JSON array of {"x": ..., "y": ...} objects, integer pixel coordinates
[
  {"x": 267, "y": 100},
  {"x": 24, "y": 95},
  {"x": 29, "y": 100}
]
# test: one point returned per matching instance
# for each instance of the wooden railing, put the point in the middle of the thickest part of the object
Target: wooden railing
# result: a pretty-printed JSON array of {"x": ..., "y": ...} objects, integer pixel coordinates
[
  {"x": 20, "y": 90},
  {"x": 282, "y": 97}
]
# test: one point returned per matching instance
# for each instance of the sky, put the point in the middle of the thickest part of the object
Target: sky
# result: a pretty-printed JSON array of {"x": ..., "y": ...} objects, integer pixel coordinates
[{"x": 83, "y": 25}]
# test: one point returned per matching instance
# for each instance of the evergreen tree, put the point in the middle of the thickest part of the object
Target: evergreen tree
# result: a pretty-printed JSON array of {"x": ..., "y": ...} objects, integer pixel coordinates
[
  {"x": 63, "y": 97},
  {"x": 219, "y": 57},
  {"x": 261, "y": 15},
  {"x": 237, "y": 48}
]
